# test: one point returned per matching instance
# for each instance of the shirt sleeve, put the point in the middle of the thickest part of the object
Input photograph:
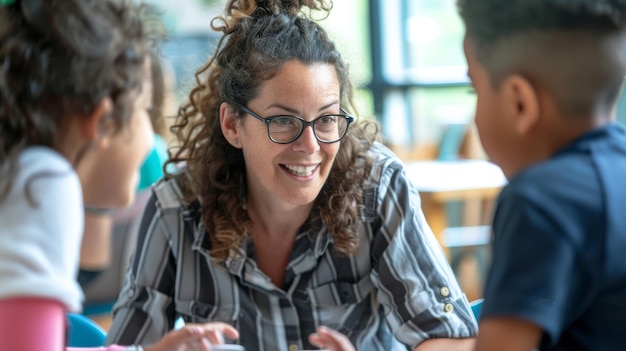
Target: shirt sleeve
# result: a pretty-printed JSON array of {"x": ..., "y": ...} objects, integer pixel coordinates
[
  {"x": 536, "y": 273},
  {"x": 416, "y": 285},
  {"x": 148, "y": 286},
  {"x": 23, "y": 318},
  {"x": 40, "y": 236}
]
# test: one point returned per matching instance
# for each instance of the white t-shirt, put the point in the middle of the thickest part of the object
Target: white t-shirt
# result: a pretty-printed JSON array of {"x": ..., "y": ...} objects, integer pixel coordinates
[{"x": 40, "y": 239}]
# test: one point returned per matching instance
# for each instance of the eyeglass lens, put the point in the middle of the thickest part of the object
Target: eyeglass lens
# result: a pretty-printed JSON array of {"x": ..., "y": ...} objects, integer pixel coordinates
[{"x": 327, "y": 128}]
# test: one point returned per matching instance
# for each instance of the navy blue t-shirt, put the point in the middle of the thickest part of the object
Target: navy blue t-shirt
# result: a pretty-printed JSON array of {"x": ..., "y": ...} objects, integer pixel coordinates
[{"x": 559, "y": 248}]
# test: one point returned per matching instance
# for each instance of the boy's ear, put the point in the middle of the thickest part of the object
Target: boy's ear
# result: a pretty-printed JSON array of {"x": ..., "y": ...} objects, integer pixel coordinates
[
  {"x": 228, "y": 123},
  {"x": 522, "y": 103},
  {"x": 96, "y": 125}
]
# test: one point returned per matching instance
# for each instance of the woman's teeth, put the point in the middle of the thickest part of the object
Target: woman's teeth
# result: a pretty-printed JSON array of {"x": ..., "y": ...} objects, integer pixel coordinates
[{"x": 301, "y": 171}]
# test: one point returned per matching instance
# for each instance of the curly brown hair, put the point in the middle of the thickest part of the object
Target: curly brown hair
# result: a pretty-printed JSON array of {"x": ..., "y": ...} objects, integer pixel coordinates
[
  {"x": 258, "y": 38},
  {"x": 59, "y": 59}
]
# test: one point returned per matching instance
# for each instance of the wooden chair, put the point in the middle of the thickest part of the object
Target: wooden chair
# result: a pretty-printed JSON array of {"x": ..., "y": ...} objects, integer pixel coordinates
[
  {"x": 468, "y": 233},
  {"x": 467, "y": 222}
]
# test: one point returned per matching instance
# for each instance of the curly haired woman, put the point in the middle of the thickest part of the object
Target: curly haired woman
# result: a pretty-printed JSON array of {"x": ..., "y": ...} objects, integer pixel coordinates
[{"x": 287, "y": 219}]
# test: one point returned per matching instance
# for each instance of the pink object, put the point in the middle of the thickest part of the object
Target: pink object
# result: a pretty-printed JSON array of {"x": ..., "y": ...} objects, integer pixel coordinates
[
  {"x": 104, "y": 348},
  {"x": 32, "y": 323}
]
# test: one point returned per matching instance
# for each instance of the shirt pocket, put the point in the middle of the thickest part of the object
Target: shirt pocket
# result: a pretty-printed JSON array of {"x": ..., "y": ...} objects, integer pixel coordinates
[
  {"x": 342, "y": 305},
  {"x": 198, "y": 312}
]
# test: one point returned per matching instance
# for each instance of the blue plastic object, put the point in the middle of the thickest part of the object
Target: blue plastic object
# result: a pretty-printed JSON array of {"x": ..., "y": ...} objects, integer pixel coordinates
[
  {"x": 477, "y": 306},
  {"x": 84, "y": 332}
]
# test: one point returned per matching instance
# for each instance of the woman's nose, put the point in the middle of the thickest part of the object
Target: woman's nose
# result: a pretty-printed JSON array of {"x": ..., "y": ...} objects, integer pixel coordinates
[{"x": 307, "y": 141}]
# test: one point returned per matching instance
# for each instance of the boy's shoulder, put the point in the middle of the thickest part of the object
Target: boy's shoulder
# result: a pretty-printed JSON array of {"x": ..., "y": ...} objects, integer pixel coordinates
[
  {"x": 587, "y": 175},
  {"x": 578, "y": 163},
  {"x": 558, "y": 177}
]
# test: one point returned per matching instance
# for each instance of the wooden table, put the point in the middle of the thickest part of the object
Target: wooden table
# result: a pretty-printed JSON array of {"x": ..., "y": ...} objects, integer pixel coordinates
[{"x": 442, "y": 181}]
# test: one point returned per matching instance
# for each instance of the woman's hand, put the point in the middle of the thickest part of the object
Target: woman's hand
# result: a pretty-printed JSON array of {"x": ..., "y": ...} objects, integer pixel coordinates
[
  {"x": 331, "y": 339},
  {"x": 195, "y": 337}
]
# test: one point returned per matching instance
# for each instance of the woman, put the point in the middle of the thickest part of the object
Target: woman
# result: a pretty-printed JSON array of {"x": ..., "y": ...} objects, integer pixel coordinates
[{"x": 287, "y": 215}]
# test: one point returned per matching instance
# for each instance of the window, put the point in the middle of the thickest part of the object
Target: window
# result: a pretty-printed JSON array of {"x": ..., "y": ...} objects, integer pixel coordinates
[
  {"x": 419, "y": 72},
  {"x": 348, "y": 27},
  {"x": 192, "y": 41}
]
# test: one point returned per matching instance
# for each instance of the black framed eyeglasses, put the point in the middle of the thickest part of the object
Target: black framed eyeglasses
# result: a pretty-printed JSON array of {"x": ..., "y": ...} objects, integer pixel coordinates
[{"x": 285, "y": 129}]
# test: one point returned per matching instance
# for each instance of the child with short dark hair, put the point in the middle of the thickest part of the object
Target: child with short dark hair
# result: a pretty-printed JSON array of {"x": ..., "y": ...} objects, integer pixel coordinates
[{"x": 547, "y": 74}]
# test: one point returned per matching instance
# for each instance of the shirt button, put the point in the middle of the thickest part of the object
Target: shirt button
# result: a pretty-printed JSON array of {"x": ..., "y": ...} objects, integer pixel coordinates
[
  {"x": 448, "y": 307},
  {"x": 293, "y": 347},
  {"x": 445, "y": 292}
]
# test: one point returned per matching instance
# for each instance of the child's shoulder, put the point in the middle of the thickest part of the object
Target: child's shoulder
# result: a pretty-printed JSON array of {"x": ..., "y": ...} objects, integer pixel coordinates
[
  {"x": 576, "y": 164},
  {"x": 568, "y": 178},
  {"x": 43, "y": 165},
  {"x": 37, "y": 159},
  {"x": 579, "y": 175}
]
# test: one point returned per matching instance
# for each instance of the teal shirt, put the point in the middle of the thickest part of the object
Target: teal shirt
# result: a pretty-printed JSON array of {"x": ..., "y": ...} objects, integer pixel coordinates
[{"x": 152, "y": 168}]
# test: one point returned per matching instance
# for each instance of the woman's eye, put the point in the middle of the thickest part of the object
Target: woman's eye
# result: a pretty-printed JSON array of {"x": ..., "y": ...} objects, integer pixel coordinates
[
  {"x": 327, "y": 119},
  {"x": 285, "y": 121}
]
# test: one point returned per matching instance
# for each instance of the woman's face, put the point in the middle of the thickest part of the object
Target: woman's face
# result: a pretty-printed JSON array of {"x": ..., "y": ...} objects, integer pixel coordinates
[
  {"x": 294, "y": 173},
  {"x": 110, "y": 173}
]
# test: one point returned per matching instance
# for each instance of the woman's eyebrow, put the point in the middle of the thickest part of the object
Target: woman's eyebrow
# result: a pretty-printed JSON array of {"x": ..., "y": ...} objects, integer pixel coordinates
[{"x": 296, "y": 112}]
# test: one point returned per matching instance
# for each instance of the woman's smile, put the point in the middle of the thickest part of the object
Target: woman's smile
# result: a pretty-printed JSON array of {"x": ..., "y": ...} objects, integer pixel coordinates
[{"x": 301, "y": 171}]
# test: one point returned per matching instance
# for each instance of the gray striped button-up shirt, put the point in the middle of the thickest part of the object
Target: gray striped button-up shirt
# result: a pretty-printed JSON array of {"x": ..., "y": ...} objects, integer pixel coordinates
[{"x": 395, "y": 292}]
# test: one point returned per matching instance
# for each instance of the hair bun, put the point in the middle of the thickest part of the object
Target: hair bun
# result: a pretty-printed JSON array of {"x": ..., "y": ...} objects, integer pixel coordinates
[
  {"x": 256, "y": 8},
  {"x": 295, "y": 6},
  {"x": 236, "y": 10}
]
